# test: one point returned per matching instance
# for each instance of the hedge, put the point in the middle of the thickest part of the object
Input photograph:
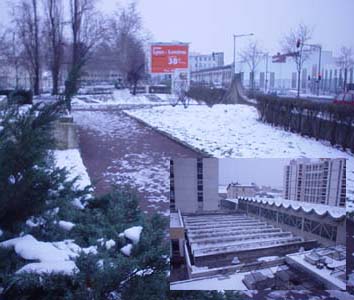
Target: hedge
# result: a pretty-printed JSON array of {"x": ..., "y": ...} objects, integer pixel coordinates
[
  {"x": 322, "y": 121},
  {"x": 208, "y": 95}
]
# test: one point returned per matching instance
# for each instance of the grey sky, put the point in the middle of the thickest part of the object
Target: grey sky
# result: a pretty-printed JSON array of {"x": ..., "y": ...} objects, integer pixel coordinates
[
  {"x": 262, "y": 171},
  {"x": 209, "y": 24}
]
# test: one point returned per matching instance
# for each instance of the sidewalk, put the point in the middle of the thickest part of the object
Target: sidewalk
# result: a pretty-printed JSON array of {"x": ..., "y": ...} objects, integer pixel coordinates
[{"x": 118, "y": 149}]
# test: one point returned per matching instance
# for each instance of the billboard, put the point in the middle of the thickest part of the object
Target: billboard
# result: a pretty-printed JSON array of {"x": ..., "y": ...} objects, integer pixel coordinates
[{"x": 166, "y": 58}]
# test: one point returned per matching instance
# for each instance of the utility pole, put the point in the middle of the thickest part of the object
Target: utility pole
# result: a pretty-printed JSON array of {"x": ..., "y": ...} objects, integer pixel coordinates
[{"x": 266, "y": 73}]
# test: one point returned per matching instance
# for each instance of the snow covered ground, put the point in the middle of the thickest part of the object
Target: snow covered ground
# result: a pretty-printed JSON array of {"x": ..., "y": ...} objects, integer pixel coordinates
[
  {"x": 72, "y": 161},
  {"x": 132, "y": 162},
  {"x": 234, "y": 131},
  {"x": 119, "y": 97}
]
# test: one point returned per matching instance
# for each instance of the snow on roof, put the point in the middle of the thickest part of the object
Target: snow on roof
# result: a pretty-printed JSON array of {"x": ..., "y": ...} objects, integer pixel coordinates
[
  {"x": 175, "y": 220},
  {"x": 320, "y": 209},
  {"x": 324, "y": 273}
]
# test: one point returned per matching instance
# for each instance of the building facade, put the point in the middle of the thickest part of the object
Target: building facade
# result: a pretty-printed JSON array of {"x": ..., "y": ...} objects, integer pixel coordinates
[
  {"x": 194, "y": 184},
  {"x": 283, "y": 76},
  {"x": 199, "y": 61},
  {"x": 235, "y": 190},
  {"x": 322, "y": 181},
  {"x": 216, "y": 76}
]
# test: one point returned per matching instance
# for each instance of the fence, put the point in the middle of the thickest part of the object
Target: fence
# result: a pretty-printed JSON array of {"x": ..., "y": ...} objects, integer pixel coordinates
[{"x": 322, "y": 121}]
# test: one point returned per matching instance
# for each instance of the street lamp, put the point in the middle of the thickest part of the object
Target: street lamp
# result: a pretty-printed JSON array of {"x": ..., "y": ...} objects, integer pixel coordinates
[{"x": 236, "y": 36}]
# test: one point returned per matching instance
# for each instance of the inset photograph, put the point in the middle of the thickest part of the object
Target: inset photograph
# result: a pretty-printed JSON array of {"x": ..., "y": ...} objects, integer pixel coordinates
[{"x": 256, "y": 224}]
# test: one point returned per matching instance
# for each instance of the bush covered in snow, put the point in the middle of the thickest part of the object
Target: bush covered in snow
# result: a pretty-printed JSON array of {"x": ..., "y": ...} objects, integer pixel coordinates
[
  {"x": 27, "y": 173},
  {"x": 100, "y": 274}
]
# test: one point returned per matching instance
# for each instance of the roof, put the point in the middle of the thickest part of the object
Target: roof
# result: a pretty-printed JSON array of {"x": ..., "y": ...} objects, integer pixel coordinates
[
  {"x": 213, "y": 69},
  {"x": 175, "y": 220},
  {"x": 320, "y": 209}
]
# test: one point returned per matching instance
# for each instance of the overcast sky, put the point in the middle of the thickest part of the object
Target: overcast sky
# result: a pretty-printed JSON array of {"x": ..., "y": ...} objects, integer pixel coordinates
[
  {"x": 209, "y": 24},
  {"x": 262, "y": 171}
]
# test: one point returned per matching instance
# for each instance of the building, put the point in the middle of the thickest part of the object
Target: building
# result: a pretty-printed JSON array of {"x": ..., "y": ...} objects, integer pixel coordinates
[
  {"x": 235, "y": 190},
  {"x": 199, "y": 61},
  {"x": 216, "y": 76},
  {"x": 317, "y": 181},
  {"x": 283, "y": 76},
  {"x": 194, "y": 184}
]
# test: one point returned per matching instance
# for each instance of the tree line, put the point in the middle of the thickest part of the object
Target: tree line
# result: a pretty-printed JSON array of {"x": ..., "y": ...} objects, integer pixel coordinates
[{"x": 64, "y": 37}]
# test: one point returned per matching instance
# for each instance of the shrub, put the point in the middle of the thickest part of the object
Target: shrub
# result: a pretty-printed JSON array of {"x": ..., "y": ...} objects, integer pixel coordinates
[
  {"x": 206, "y": 94},
  {"x": 20, "y": 97},
  {"x": 325, "y": 121},
  {"x": 27, "y": 172}
]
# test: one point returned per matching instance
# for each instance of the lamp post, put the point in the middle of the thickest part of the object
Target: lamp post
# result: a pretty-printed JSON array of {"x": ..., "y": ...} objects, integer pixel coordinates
[{"x": 236, "y": 36}]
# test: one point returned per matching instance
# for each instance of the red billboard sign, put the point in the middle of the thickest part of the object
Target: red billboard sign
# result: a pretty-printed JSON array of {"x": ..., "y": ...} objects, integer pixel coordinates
[{"x": 165, "y": 58}]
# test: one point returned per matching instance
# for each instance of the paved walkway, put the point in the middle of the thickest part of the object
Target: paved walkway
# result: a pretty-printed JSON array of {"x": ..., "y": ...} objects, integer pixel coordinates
[{"x": 117, "y": 149}]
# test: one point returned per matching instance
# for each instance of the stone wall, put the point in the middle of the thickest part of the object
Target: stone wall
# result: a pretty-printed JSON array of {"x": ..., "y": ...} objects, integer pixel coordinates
[{"x": 65, "y": 134}]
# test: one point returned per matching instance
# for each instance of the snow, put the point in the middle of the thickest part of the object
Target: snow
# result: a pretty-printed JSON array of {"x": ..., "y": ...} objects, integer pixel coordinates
[
  {"x": 133, "y": 233},
  {"x": 127, "y": 249},
  {"x": 109, "y": 244},
  {"x": 268, "y": 258},
  {"x": 1, "y": 232},
  {"x": 35, "y": 222},
  {"x": 64, "y": 267},
  {"x": 325, "y": 274},
  {"x": 118, "y": 97},
  {"x": 66, "y": 225},
  {"x": 72, "y": 161},
  {"x": 175, "y": 221},
  {"x": 53, "y": 257},
  {"x": 235, "y": 131},
  {"x": 320, "y": 209},
  {"x": 148, "y": 172},
  {"x": 12, "y": 179}
]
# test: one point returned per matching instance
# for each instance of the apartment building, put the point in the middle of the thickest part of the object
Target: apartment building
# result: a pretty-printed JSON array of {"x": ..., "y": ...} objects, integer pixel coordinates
[
  {"x": 320, "y": 181},
  {"x": 199, "y": 61},
  {"x": 194, "y": 184}
]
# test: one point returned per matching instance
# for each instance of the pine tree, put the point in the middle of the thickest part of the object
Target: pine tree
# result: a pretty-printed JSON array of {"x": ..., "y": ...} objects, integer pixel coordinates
[{"x": 27, "y": 172}]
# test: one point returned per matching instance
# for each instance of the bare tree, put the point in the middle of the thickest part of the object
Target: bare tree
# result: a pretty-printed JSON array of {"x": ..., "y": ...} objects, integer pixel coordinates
[
  {"x": 12, "y": 53},
  {"x": 252, "y": 55},
  {"x": 294, "y": 45},
  {"x": 128, "y": 43},
  {"x": 88, "y": 29},
  {"x": 27, "y": 23},
  {"x": 345, "y": 62},
  {"x": 54, "y": 20}
]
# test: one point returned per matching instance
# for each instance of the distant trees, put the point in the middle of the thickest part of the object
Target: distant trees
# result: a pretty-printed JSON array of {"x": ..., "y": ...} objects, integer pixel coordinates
[
  {"x": 54, "y": 24},
  {"x": 293, "y": 44},
  {"x": 27, "y": 22},
  {"x": 252, "y": 55},
  {"x": 345, "y": 62},
  {"x": 128, "y": 43}
]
